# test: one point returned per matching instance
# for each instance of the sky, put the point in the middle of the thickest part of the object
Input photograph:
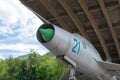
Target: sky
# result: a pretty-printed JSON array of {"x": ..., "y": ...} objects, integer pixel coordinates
[{"x": 18, "y": 28}]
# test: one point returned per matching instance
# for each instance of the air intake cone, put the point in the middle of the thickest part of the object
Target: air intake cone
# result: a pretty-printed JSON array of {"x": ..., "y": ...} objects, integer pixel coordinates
[{"x": 47, "y": 34}]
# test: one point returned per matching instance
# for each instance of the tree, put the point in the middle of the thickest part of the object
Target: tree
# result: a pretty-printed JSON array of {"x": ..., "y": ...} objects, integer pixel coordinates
[
  {"x": 3, "y": 69},
  {"x": 33, "y": 67}
]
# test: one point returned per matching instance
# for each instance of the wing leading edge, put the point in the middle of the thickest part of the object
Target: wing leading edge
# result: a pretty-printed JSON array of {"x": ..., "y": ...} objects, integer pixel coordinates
[{"x": 112, "y": 68}]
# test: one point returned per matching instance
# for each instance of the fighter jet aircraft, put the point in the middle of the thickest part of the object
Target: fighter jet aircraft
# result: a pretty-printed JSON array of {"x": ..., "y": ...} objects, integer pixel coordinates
[{"x": 76, "y": 50}]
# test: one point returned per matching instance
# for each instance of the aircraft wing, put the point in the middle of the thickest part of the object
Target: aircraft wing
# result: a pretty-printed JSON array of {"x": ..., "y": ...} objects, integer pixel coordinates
[{"x": 112, "y": 68}]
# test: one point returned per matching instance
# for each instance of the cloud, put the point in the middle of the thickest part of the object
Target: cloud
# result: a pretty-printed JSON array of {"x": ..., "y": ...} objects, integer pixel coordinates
[
  {"x": 22, "y": 48},
  {"x": 5, "y": 30},
  {"x": 13, "y": 14},
  {"x": 19, "y": 47},
  {"x": 1, "y": 57},
  {"x": 18, "y": 28},
  {"x": 18, "y": 20}
]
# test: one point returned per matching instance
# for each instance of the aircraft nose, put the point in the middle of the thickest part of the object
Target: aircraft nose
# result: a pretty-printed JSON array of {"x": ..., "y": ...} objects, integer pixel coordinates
[{"x": 47, "y": 34}]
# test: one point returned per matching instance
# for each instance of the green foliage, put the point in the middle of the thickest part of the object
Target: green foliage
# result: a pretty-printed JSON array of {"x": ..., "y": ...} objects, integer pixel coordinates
[{"x": 34, "y": 67}]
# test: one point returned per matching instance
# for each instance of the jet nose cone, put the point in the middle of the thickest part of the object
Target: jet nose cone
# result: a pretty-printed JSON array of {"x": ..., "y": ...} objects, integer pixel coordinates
[{"x": 47, "y": 34}]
